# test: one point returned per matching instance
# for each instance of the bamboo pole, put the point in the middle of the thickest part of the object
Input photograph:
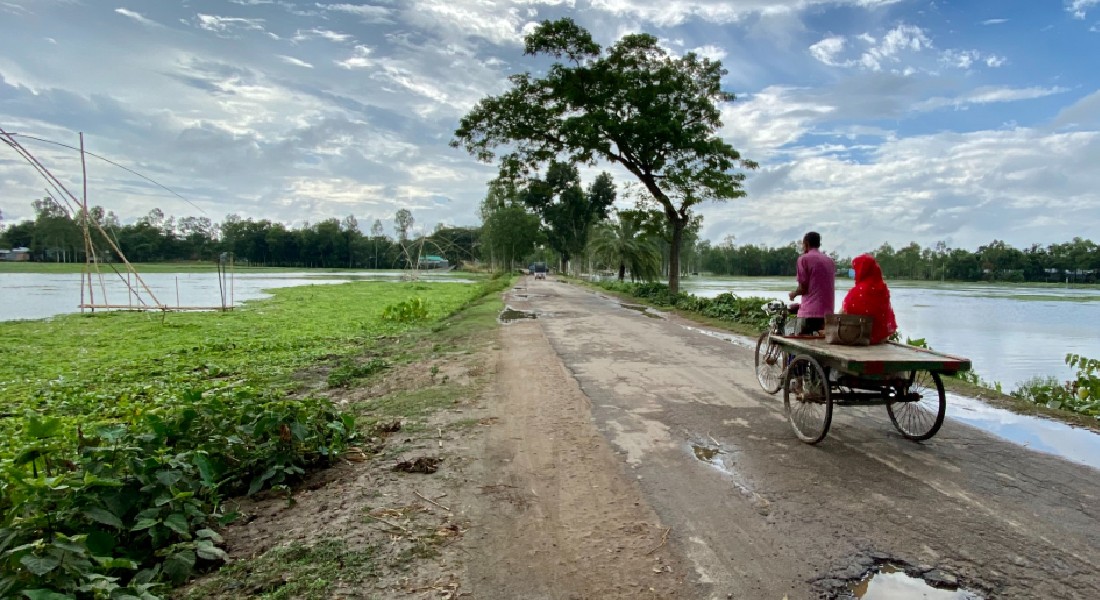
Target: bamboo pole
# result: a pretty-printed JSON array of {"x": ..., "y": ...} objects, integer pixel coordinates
[{"x": 84, "y": 226}]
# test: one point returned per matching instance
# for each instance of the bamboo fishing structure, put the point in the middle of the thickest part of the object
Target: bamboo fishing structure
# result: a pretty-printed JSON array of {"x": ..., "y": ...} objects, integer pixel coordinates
[{"x": 139, "y": 295}]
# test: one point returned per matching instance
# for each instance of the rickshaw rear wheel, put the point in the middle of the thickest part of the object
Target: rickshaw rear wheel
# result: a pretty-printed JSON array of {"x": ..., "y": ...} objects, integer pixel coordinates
[
  {"x": 917, "y": 409},
  {"x": 807, "y": 399}
]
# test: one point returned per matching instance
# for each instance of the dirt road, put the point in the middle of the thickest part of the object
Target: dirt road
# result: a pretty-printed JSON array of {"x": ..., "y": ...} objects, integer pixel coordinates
[{"x": 609, "y": 423}]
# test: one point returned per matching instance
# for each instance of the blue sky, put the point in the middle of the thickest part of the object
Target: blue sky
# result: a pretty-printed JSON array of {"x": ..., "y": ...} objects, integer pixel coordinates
[{"x": 873, "y": 120}]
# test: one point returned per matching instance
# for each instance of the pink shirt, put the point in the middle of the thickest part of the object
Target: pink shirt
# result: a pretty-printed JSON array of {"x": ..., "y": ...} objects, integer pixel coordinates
[{"x": 816, "y": 275}]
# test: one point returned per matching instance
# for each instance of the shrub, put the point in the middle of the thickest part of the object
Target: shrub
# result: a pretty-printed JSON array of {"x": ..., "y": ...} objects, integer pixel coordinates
[
  {"x": 409, "y": 311},
  {"x": 129, "y": 506},
  {"x": 725, "y": 307}
]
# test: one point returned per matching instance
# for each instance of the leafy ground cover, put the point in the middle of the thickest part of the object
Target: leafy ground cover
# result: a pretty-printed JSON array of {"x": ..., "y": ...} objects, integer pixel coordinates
[
  {"x": 361, "y": 529},
  {"x": 745, "y": 312},
  {"x": 126, "y": 431}
]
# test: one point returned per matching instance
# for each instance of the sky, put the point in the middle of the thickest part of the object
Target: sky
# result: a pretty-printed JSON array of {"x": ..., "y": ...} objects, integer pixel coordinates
[{"x": 873, "y": 121}]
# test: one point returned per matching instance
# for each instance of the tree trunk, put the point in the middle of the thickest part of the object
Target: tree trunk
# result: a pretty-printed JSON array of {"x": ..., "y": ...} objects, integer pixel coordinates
[
  {"x": 622, "y": 272},
  {"x": 674, "y": 256}
]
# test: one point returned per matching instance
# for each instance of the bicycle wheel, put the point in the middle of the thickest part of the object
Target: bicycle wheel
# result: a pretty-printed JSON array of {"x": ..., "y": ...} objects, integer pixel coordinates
[
  {"x": 807, "y": 399},
  {"x": 918, "y": 412},
  {"x": 769, "y": 363}
]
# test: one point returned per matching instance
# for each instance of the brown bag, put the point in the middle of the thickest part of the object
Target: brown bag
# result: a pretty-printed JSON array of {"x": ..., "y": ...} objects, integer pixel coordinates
[{"x": 848, "y": 330}]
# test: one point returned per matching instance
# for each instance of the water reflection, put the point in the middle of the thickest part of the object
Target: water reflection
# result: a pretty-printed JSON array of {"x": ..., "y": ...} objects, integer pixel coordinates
[
  {"x": 41, "y": 295},
  {"x": 1073, "y": 443},
  {"x": 1011, "y": 333}
]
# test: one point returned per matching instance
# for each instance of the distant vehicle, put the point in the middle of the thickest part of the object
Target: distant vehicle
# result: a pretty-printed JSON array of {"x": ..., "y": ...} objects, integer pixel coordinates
[
  {"x": 540, "y": 275},
  {"x": 539, "y": 269}
]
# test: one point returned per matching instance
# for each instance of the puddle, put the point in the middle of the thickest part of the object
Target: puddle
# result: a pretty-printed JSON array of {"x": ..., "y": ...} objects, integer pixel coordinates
[
  {"x": 645, "y": 310},
  {"x": 733, "y": 338},
  {"x": 1075, "y": 444},
  {"x": 890, "y": 582},
  {"x": 705, "y": 454},
  {"x": 510, "y": 314}
]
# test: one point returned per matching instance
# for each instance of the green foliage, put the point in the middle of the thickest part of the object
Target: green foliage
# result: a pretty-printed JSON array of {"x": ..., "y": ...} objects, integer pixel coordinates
[
  {"x": 292, "y": 572},
  {"x": 349, "y": 370},
  {"x": 408, "y": 311},
  {"x": 124, "y": 432},
  {"x": 624, "y": 246},
  {"x": 1080, "y": 395},
  {"x": 568, "y": 211},
  {"x": 725, "y": 307},
  {"x": 632, "y": 103}
]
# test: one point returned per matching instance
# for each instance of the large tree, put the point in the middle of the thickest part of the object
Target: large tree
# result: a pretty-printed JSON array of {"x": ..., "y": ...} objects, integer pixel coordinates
[
  {"x": 633, "y": 104},
  {"x": 568, "y": 211}
]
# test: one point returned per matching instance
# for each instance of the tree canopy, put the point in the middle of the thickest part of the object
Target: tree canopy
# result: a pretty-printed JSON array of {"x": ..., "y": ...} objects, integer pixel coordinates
[
  {"x": 632, "y": 104},
  {"x": 568, "y": 211}
]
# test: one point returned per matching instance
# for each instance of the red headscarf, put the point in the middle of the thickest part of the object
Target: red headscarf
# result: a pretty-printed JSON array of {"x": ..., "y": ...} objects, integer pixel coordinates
[{"x": 871, "y": 297}]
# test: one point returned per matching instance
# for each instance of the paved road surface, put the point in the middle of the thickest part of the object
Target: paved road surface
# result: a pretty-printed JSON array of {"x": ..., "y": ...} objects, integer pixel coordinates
[{"x": 769, "y": 516}]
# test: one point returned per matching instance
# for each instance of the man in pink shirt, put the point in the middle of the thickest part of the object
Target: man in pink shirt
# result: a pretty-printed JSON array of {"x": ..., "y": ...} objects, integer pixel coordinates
[{"x": 816, "y": 285}]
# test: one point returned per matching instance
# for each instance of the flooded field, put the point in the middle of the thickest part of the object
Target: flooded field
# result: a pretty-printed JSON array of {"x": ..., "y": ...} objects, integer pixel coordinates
[{"x": 41, "y": 295}]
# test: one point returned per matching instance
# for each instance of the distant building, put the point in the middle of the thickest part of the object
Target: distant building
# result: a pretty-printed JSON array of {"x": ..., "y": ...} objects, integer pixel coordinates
[
  {"x": 432, "y": 261},
  {"x": 20, "y": 254}
]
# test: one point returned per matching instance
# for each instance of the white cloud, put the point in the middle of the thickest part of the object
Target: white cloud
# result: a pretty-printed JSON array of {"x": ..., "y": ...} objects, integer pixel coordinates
[
  {"x": 677, "y": 12},
  {"x": 900, "y": 40},
  {"x": 1084, "y": 112},
  {"x": 294, "y": 61},
  {"x": 827, "y": 50},
  {"x": 326, "y": 34},
  {"x": 988, "y": 95},
  {"x": 994, "y": 21},
  {"x": 1080, "y": 8},
  {"x": 228, "y": 25},
  {"x": 367, "y": 13},
  {"x": 965, "y": 59},
  {"x": 1016, "y": 185},
  {"x": 360, "y": 59},
  {"x": 135, "y": 16},
  {"x": 710, "y": 51}
]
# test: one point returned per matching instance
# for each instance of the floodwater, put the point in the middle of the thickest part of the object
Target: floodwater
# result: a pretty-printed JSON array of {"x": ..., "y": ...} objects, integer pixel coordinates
[
  {"x": 892, "y": 583},
  {"x": 41, "y": 295},
  {"x": 1011, "y": 333}
]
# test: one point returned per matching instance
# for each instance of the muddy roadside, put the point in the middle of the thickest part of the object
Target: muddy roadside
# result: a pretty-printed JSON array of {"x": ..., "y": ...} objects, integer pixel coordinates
[{"x": 479, "y": 475}]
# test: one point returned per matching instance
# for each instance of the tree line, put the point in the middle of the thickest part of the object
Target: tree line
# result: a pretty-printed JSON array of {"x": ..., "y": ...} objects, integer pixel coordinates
[
  {"x": 55, "y": 235},
  {"x": 1076, "y": 261}
]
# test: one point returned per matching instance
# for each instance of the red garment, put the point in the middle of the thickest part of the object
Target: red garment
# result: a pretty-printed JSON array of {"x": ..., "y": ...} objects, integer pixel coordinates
[{"x": 871, "y": 297}]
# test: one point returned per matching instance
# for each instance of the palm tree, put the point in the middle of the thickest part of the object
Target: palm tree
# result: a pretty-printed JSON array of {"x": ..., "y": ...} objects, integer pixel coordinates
[{"x": 623, "y": 243}]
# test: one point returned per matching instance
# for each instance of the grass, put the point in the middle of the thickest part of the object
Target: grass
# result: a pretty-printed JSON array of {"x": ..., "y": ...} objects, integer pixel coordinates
[
  {"x": 108, "y": 365},
  {"x": 315, "y": 571},
  {"x": 294, "y": 571}
]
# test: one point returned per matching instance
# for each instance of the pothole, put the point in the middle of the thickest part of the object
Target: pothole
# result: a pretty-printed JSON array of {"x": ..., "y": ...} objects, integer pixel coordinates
[
  {"x": 642, "y": 309},
  {"x": 880, "y": 576},
  {"x": 893, "y": 582},
  {"x": 704, "y": 453},
  {"x": 509, "y": 315}
]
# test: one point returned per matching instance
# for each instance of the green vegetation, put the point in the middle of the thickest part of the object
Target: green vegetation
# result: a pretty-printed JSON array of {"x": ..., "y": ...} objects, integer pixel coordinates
[
  {"x": 633, "y": 104},
  {"x": 126, "y": 431},
  {"x": 727, "y": 308},
  {"x": 293, "y": 572},
  {"x": 1080, "y": 395},
  {"x": 1077, "y": 261},
  {"x": 55, "y": 235}
]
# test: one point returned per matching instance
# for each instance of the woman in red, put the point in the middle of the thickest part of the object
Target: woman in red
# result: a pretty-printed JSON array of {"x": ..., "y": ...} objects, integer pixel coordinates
[{"x": 871, "y": 297}]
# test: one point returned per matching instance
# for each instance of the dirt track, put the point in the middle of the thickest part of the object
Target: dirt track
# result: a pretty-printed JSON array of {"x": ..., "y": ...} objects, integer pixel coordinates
[{"x": 593, "y": 458}]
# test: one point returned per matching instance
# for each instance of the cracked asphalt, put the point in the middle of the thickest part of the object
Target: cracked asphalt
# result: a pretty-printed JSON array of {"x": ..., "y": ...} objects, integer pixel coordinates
[{"x": 768, "y": 516}]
